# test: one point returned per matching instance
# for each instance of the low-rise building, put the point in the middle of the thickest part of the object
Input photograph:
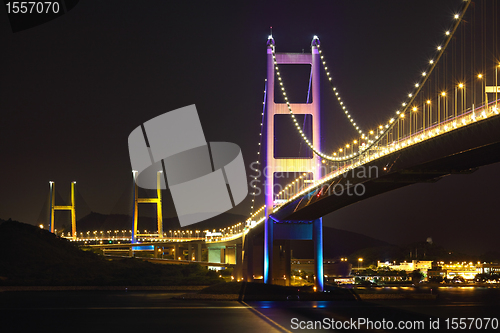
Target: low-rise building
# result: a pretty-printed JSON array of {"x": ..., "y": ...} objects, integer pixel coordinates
[{"x": 422, "y": 265}]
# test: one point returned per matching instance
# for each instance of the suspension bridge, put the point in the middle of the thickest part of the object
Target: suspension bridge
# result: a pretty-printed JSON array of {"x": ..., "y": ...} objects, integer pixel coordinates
[{"x": 447, "y": 124}]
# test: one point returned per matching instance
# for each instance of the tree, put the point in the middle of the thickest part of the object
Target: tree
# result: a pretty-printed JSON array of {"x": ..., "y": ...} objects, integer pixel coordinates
[{"x": 416, "y": 276}]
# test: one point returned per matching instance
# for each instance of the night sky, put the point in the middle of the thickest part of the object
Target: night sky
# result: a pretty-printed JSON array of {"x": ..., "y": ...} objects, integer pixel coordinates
[{"x": 73, "y": 89}]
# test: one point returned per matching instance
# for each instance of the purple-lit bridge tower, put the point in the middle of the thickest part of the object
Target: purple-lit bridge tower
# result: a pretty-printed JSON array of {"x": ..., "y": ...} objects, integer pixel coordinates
[{"x": 290, "y": 230}]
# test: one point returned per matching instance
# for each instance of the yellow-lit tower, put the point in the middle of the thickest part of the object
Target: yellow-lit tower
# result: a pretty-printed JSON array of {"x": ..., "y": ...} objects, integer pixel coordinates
[
  {"x": 71, "y": 208},
  {"x": 156, "y": 201}
]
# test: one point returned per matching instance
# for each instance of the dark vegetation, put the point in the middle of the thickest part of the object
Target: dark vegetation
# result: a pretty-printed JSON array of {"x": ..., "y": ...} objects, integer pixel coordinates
[{"x": 33, "y": 256}]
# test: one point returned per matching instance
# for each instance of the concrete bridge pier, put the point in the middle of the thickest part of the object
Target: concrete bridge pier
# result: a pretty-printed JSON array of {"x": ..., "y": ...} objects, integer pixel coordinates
[
  {"x": 317, "y": 237},
  {"x": 158, "y": 251},
  {"x": 197, "y": 252},
  {"x": 278, "y": 256},
  {"x": 194, "y": 251},
  {"x": 245, "y": 269},
  {"x": 177, "y": 254}
]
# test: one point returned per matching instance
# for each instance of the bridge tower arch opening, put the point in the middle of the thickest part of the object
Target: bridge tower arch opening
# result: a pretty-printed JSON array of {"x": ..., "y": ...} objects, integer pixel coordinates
[{"x": 288, "y": 230}]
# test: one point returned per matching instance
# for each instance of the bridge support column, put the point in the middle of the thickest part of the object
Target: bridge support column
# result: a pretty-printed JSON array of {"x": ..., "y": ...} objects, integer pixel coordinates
[
  {"x": 155, "y": 251},
  {"x": 268, "y": 250},
  {"x": 190, "y": 252},
  {"x": 229, "y": 255},
  {"x": 237, "y": 254},
  {"x": 51, "y": 204},
  {"x": 288, "y": 263},
  {"x": 310, "y": 166},
  {"x": 245, "y": 262},
  {"x": 197, "y": 252},
  {"x": 135, "y": 212},
  {"x": 176, "y": 251},
  {"x": 249, "y": 255},
  {"x": 318, "y": 254}
]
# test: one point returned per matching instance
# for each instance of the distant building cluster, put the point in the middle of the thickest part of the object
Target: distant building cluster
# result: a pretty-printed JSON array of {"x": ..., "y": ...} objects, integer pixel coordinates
[
  {"x": 423, "y": 266},
  {"x": 439, "y": 270},
  {"x": 342, "y": 272}
]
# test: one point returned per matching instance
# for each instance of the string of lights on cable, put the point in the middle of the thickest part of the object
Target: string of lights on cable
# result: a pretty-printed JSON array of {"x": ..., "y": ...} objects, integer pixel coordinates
[
  {"x": 337, "y": 95},
  {"x": 255, "y": 177},
  {"x": 384, "y": 129}
]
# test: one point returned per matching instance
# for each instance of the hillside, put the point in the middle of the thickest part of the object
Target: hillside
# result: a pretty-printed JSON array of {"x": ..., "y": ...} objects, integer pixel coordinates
[{"x": 32, "y": 256}]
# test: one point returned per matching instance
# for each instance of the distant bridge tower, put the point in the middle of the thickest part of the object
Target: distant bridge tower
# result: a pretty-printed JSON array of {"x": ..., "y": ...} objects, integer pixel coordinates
[
  {"x": 284, "y": 230},
  {"x": 71, "y": 208},
  {"x": 156, "y": 201}
]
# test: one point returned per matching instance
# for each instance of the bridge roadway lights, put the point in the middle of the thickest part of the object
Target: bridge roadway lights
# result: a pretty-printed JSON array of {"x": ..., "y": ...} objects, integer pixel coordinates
[{"x": 194, "y": 250}]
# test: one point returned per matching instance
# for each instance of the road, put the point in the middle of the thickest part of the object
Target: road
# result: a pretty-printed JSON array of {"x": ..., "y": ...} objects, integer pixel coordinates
[{"x": 121, "y": 311}]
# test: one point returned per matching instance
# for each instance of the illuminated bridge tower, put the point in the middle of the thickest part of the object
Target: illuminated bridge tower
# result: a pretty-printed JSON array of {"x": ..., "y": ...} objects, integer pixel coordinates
[
  {"x": 157, "y": 201},
  {"x": 289, "y": 230},
  {"x": 71, "y": 208}
]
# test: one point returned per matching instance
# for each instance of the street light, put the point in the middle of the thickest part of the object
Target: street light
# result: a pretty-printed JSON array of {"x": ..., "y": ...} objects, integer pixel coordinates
[
  {"x": 414, "y": 109},
  {"x": 496, "y": 87},
  {"x": 401, "y": 121},
  {"x": 429, "y": 109},
  {"x": 463, "y": 99},
  {"x": 443, "y": 94},
  {"x": 480, "y": 77},
  {"x": 360, "y": 260}
]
